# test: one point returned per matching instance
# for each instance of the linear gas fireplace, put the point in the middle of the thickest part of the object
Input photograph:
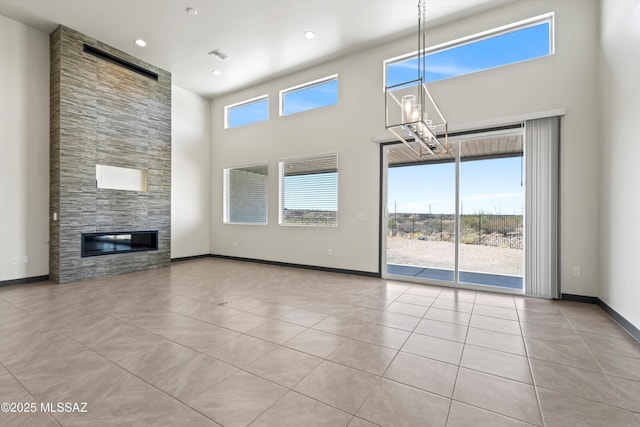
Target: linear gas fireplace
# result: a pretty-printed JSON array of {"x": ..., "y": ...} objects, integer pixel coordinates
[{"x": 94, "y": 244}]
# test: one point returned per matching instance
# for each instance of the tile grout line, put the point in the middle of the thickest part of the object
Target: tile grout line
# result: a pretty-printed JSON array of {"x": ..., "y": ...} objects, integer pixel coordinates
[
  {"x": 455, "y": 382},
  {"x": 533, "y": 380},
  {"x": 615, "y": 388},
  {"x": 390, "y": 363},
  {"x": 29, "y": 392},
  {"x": 306, "y": 328},
  {"x": 327, "y": 359},
  {"x": 127, "y": 371}
]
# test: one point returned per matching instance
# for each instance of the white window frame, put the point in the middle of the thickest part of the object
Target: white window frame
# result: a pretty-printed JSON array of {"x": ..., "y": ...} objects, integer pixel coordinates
[
  {"x": 306, "y": 85},
  {"x": 230, "y": 107},
  {"x": 281, "y": 175},
  {"x": 494, "y": 32},
  {"x": 226, "y": 195}
]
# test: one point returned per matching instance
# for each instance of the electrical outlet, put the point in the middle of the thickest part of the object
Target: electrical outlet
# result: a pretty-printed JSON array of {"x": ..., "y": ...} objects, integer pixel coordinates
[
  {"x": 576, "y": 272},
  {"x": 330, "y": 252},
  {"x": 14, "y": 261},
  {"x": 235, "y": 244},
  {"x": 25, "y": 259}
]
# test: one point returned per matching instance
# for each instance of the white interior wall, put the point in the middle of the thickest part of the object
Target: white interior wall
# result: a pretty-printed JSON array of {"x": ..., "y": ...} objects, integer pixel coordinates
[
  {"x": 24, "y": 158},
  {"x": 620, "y": 151},
  {"x": 190, "y": 207},
  {"x": 567, "y": 79},
  {"x": 24, "y": 151},
  {"x": 344, "y": 129},
  {"x": 564, "y": 80}
]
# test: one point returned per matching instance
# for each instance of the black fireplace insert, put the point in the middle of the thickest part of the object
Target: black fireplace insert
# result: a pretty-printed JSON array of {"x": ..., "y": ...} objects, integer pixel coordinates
[{"x": 94, "y": 244}]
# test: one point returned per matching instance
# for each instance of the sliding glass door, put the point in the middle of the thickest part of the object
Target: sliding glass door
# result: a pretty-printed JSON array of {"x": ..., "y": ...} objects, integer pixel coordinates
[
  {"x": 421, "y": 219},
  {"x": 490, "y": 250},
  {"x": 457, "y": 218}
]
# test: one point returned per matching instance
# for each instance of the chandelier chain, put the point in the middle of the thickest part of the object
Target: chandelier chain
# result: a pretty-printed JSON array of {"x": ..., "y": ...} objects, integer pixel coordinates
[
  {"x": 418, "y": 118},
  {"x": 422, "y": 25}
]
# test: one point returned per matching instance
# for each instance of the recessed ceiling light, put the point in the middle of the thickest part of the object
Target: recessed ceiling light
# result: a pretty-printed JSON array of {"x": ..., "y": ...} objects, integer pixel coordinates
[
  {"x": 140, "y": 42},
  {"x": 217, "y": 72},
  {"x": 192, "y": 11},
  {"x": 309, "y": 34}
]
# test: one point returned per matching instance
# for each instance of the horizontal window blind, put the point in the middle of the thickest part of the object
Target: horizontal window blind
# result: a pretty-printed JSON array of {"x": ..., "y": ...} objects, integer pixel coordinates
[
  {"x": 246, "y": 195},
  {"x": 309, "y": 191}
]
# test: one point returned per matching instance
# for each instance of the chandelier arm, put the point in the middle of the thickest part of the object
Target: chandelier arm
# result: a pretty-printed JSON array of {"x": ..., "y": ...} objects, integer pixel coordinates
[
  {"x": 417, "y": 138},
  {"x": 405, "y": 142},
  {"x": 446, "y": 136}
]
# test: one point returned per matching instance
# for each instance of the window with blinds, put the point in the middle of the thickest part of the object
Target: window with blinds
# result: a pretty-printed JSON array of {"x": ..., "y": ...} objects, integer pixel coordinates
[
  {"x": 309, "y": 191},
  {"x": 245, "y": 195}
]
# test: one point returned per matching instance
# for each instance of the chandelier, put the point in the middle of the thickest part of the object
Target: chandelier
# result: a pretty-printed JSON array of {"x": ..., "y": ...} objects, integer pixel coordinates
[{"x": 412, "y": 115}]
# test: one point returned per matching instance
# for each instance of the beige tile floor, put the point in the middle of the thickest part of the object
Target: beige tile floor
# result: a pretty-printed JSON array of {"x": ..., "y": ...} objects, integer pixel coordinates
[{"x": 217, "y": 342}]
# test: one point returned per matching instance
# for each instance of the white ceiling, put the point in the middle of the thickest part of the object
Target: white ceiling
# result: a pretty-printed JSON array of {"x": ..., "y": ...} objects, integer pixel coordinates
[{"x": 263, "y": 38}]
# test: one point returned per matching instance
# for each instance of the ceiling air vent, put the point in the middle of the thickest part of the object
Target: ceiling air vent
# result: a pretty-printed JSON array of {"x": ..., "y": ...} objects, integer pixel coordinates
[
  {"x": 119, "y": 61},
  {"x": 219, "y": 54}
]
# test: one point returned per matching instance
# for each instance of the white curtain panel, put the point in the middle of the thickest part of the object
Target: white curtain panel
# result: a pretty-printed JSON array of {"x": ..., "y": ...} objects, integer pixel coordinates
[{"x": 541, "y": 153}]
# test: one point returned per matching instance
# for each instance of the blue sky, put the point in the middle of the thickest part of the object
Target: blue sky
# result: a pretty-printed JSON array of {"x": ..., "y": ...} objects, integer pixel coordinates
[
  {"x": 249, "y": 113},
  {"x": 320, "y": 95},
  {"x": 488, "y": 186},
  {"x": 516, "y": 46}
]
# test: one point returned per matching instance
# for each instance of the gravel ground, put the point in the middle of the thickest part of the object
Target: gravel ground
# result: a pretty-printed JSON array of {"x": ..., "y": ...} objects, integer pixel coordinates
[{"x": 485, "y": 259}]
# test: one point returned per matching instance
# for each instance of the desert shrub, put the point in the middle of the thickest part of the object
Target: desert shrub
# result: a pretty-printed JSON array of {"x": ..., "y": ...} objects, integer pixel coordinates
[{"x": 470, "y": 239}]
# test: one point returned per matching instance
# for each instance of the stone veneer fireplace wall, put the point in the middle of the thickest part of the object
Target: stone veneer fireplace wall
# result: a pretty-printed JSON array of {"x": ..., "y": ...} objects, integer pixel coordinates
[{"x": 107, "y": 114}]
